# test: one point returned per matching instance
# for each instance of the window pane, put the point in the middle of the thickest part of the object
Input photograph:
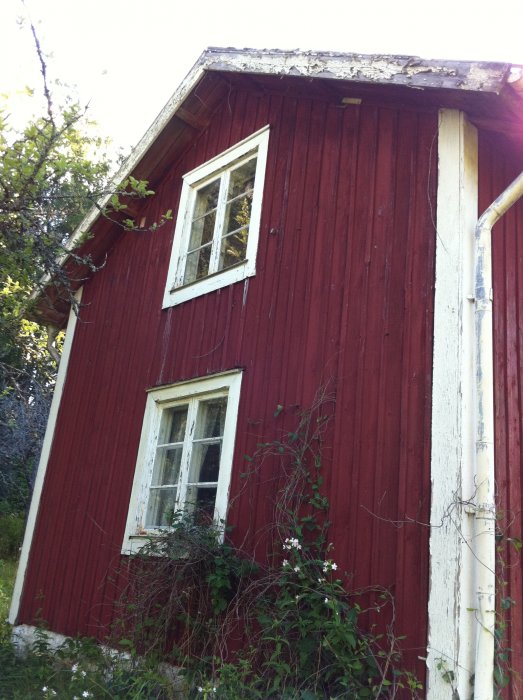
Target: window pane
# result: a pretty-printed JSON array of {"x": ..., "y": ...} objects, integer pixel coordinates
[
  {"x": 238, "y": 213},
  {"x": 167, "y": 466},
  {"x": 202, "y": 230},
  {"x": 242, "y": 179},
  {"x": 211, "y": 418},
  {"x": 206, "y": 199},
  {"x": 205, "y": 462},
  {"x": 197, "y": 264},
  {"x": 174, "y": 423},
  {"x": 160, "y": 508},
  {"x": 233, "y": 249},
  {"x": 202, "y": 499}
]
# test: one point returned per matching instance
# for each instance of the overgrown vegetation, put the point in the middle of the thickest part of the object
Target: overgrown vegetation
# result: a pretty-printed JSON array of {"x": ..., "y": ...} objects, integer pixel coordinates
[
  {"x": 239, "y": 628},
  {"x": 230, "y": 627},
  {"x": 508, "y": 548},
  {"x": 77, "y": 669}
]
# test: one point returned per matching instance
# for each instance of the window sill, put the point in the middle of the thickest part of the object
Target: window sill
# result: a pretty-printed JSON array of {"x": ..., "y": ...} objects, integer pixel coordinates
[{"x": 210, "y": 283}]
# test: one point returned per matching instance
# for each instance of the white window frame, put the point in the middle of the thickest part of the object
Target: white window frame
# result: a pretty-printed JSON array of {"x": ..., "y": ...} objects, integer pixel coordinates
[
  {"x": 225, "y": 384},
  {"x": 176, "y": 292}
]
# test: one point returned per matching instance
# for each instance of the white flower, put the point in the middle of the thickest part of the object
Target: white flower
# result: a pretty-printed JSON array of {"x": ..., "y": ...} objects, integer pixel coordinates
[
  {"x": 285, "y": 562},
  {"x": 200, "y": 689},
  {"x": 83, "y": 674},
  {"x": 74, "y": 668},
  {"x": 86, "y": 694},
  {"x": 296, "y": 569},
  {"x": 213, "y": 689},
  {"x": 291, "y": 543},
  {"x": 321, "y": 580},
  {"x": 326, "y": 600},
  {"x": 329, "y": 566},
  {"x": 44, "y": 689}
]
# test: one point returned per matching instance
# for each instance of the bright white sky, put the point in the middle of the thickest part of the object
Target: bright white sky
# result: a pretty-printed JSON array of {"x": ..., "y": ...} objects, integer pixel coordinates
[{"x": 127, "y": 57}]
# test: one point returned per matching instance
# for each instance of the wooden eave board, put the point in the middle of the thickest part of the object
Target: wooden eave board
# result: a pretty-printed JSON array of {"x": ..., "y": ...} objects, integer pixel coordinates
[{"x": 377, "y": 69}]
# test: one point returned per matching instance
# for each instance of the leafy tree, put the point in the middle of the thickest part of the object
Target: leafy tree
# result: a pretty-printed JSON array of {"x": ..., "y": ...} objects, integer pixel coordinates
[{"x": 52, "y": 171}]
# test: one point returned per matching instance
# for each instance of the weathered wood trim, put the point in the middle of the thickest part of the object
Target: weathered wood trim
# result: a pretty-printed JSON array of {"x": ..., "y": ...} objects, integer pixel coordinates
[
  {"x": 451, "y": 621},
  {"x": 42, "y": 465},
  {"x": 379, "y": 69}
]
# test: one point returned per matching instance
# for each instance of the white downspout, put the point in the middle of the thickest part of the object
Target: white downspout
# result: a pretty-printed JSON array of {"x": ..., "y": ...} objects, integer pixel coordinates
[{"x": 485, "y": 508}]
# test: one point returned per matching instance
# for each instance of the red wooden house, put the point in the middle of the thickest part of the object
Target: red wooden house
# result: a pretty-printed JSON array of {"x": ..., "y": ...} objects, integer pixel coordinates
[{"x": 324, "y": 209}]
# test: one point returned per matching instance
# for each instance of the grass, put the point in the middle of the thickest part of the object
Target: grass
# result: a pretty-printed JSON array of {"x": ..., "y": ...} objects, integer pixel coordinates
[
  {"x": 78, "y": 670},
  {"x": 7, "y": 581}
]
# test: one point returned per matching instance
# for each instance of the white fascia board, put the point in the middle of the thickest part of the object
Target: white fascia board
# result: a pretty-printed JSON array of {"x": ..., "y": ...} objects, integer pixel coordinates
[
  {"x": 410, "y": 71},
  {"x": 451, "y": 637},
  {"x": 42, "y": 464}
]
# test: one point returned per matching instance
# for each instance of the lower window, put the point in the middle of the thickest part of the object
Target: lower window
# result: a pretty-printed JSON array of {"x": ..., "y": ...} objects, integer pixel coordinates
[{"x": 185, "y": 455}]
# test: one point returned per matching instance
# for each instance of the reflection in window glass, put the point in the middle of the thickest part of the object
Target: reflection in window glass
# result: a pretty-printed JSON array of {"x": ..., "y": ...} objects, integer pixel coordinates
[
  {"x": 191, "y": 435},
  {"x": 219, "y": 232},
  {"x": 160, "y": 508}
]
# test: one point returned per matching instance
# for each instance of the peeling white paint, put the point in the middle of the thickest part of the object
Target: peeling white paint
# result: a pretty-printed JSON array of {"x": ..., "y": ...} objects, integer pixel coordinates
[
  {"x": 451, "y": 616},
  {"x": 373, "y": 68}
]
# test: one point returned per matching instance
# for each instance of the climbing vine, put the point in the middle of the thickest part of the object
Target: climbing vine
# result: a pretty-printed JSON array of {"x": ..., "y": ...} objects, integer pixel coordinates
[{"x": 239, "y": 628}]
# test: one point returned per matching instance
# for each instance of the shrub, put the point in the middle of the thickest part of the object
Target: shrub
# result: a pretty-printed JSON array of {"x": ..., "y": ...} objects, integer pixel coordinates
[
  {"x": 286, "y": 630},
  {"x": 11, "y": 532}
]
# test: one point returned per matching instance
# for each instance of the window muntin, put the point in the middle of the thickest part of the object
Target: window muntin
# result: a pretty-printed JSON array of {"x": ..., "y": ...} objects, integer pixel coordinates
[
  {"x": 217, "y": 228},
  {"x": 185, "y": 455},
  {"x": 187, "y": 466},
  {"x": 219, "y": 223},
  {"x": 167, "y": 467}
]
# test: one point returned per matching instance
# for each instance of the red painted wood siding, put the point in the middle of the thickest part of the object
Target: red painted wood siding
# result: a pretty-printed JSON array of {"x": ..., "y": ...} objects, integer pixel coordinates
[
  {"x": 499, "y": 165},
  {"x": 342, "y": 297}
]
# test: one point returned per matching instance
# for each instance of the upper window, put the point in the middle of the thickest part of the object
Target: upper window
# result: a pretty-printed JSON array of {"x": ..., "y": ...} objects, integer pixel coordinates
[
  {"x": 185, "y": 455},
  {"x": 216, "y": 234}
]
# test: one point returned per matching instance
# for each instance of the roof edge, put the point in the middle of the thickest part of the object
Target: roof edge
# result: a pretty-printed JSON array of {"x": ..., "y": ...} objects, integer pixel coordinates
[
  {"x": 410, "y": 71},
  {"x": 377, "y": 69}
]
